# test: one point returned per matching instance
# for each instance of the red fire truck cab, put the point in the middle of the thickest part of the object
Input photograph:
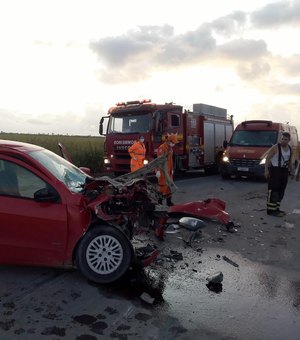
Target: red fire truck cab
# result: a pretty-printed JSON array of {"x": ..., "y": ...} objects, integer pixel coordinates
[{"x": 200, "y": 133}]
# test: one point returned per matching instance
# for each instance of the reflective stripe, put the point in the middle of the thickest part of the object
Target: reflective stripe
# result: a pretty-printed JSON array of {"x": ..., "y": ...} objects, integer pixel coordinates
[{"x": 270, "y": 207}]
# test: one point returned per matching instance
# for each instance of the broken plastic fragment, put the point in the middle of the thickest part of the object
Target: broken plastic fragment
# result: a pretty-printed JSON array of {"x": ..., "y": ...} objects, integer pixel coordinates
[
  {"x": 215, "y": 277},
  {"x": 147, "y": 298}
]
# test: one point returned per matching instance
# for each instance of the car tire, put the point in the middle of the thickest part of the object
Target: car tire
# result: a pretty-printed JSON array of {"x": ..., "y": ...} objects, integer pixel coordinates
[{"x": 104, "y": 254}]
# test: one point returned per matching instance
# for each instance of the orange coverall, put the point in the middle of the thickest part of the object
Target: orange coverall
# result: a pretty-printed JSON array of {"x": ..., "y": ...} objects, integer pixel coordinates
[
  {"x": 163, "y": 150},
  {"x": 137, "y": 153}
]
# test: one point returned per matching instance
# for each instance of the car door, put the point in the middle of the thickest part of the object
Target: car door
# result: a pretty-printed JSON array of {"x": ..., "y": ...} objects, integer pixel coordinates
[{"x": 31, "y": 232}]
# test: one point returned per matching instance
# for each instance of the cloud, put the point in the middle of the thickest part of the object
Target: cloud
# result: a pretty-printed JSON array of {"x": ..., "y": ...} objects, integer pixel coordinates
[
  {"x": 291, "y": 65},
  {"x": 161, "y": 47},
  {"x": 243, "y": 49},
  {"x": 117, "y": 51},
  {"x": 23, "y": 122},
  {"x": 254, "y": 70},
  {"x": 278, "y": 112},
  {"x": 230, "y": 24},
  {"x": 136, "y": 54},
  {"x": 277, "y": 14},
  {"x": 186, "y": 48},
  {"x": 140, "y": 52},
  {"x": 285, "y": 89},
  {"x": 133, "y": 56}
]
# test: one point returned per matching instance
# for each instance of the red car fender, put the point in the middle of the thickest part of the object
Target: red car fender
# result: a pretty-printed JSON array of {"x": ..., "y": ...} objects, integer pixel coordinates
[{"x": 211, "y": 208}]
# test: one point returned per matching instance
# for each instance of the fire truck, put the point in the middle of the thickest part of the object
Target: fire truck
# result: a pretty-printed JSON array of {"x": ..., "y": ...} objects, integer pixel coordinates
[{"x": 201, "y": 133}]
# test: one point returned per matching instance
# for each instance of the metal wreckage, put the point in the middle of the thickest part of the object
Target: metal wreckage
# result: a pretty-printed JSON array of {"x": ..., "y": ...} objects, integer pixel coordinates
[{"x": 130, "y": 203}]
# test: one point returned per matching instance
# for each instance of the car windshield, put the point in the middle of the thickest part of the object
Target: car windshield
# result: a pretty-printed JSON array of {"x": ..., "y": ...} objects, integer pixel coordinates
[
  {"x": 131, "y": 123},
  {"x": 254, "y": 138},
  {"x": 63, "y": 170}
]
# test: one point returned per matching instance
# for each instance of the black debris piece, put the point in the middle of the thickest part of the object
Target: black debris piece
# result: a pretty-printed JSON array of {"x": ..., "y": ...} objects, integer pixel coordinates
[
  {"x": 215, "y": 278},
  {"x": 225, "y": 258},
  {"x": 175, "y": 255}
]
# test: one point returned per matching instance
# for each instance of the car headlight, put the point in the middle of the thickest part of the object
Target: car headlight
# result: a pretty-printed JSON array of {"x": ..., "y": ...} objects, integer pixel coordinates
[
  {"x": 263, "y": 161},
  {"x": 106, "y": 161},
  {"x": 226, "y": 159},
  {"x": 146, "y": 161}
]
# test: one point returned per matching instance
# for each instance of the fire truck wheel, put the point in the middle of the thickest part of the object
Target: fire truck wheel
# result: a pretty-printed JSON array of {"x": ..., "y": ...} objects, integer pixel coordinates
[{"x": 104, "y": 254}]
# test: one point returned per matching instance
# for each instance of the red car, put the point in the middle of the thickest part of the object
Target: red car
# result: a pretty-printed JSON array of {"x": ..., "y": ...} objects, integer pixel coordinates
[{"x": 54, "y": 214}]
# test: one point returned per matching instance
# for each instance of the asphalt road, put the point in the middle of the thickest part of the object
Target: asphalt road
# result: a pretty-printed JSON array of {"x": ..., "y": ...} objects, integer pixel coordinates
[{"x": 259, "y": 297}]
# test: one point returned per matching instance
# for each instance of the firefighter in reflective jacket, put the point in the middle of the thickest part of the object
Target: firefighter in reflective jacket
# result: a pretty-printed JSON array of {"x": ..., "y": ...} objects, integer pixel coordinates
[
  {"x": 166, "y": 149},
  {"x": 277, "y": 166},
  {"x": 137, "y": 153}
]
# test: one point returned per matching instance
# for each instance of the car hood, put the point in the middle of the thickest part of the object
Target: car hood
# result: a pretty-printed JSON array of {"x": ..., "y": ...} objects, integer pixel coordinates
[{"x": 100, "y": 189}]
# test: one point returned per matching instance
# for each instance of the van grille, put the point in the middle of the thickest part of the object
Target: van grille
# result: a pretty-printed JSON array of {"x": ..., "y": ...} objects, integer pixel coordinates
[{"x": 243, "y": 162}]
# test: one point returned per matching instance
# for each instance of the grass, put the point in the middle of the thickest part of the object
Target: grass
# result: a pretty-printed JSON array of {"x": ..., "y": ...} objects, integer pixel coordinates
[{"x": 84, "y": 150}]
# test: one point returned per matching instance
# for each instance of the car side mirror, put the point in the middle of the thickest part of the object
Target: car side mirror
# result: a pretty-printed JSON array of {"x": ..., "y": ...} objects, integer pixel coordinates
[{"x": 45, "y": 195}]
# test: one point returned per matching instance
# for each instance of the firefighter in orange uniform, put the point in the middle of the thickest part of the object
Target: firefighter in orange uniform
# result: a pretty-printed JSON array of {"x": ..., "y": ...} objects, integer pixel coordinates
[
  {"x": 137, "y": 153},
  {"x": 166, "y": 149}
]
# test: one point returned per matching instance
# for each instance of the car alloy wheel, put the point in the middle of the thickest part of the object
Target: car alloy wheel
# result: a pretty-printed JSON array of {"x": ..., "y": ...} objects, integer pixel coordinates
[{"x": 104, "y": 254}]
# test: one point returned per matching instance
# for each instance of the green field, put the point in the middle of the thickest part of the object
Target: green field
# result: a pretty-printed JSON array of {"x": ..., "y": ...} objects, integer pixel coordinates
[{"x": 84, "y": 150}]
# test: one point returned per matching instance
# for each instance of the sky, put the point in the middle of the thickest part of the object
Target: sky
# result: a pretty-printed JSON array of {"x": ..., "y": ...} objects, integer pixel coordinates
[{"x": 63, "y": 63}]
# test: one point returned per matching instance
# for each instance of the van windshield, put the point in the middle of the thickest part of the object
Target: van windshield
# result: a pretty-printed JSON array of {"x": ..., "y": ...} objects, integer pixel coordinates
[{"x": 254, "y": 138}]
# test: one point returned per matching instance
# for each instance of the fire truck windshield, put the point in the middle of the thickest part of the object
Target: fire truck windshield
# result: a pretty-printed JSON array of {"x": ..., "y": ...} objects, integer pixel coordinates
[{"x": 129, "y": 123}]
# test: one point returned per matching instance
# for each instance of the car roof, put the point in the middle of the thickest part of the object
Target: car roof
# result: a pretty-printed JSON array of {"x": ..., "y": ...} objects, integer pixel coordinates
[{"x": 18, "y": 146}]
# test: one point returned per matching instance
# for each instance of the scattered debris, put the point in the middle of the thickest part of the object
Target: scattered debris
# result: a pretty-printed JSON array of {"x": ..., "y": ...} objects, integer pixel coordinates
[
  {"x": 225, "y": 258},
  {"x": 215, "y": 278},
  {"x": 146, "y": 255},
  {"x": 145, "y": 251},
  {"x": 215, "y": 287},
  {"x": 191, "y": 223},
  {"x": 289, "y": 225},
  {"x": 174, "y": 255},
  {"x": 254, "y": 196},
  {"x": 212, "y": 208},
  {"x": 230, "y": 227},
  {"x": 214, "y": 282},
  {"x": 172, "y": 229},
  {"x": 147, "y": 298}
]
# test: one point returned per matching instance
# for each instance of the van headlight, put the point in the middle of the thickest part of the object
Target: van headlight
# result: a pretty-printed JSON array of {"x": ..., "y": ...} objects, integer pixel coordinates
[
  {"x": 106, "y": 161},
  {"x": 263, "y": 161}
]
